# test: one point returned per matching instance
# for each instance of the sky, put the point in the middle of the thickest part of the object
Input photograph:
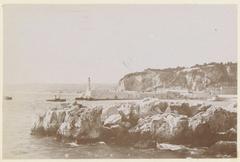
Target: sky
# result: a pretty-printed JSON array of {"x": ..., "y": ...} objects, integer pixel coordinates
[{"x": 69, "y": 43}]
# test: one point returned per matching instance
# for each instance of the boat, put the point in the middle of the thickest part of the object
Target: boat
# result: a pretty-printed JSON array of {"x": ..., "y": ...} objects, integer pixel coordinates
[
  {"x": 56, "y": 99},
  {"x": 8, "y": 98}
]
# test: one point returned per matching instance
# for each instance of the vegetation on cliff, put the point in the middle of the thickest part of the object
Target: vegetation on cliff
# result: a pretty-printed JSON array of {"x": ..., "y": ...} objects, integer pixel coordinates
[{"x": 197, "y": 77}]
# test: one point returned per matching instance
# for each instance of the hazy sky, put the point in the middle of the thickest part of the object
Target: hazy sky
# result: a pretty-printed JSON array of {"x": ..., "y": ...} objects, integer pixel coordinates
[{"x": 68, "y": 43}]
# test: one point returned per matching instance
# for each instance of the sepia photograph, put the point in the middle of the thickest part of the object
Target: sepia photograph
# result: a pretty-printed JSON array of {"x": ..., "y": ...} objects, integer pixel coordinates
[{"x": 119, "y": 81}]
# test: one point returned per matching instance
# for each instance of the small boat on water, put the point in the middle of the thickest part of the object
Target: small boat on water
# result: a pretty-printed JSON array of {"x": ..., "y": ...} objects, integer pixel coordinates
[
  {"x": 56, "y": 99},
  {"x": 8, "y": 98}
]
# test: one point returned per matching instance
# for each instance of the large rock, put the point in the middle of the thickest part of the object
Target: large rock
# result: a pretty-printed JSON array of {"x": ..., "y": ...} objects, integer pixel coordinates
[
  {"x": 224, "y": 147},
  {"x": 37, "y": 128},
  {"x": 171, "y": 147},
  {"x": 109, "y": 110},
  {"x": 151, "y": 106},
  {"x": 229, "y": 135},
  {"x": 143, "y": 129},
  {"x": 161, "y": 127},
  {"x": 169, "y": 127},
  {"x": 74, "y": 122},
  {"x": 186, "y": 108},
  {"x": 121, "y": 114},
  {"x": 204, "y": 126},
  {"x": 112, "y": 120},
  {"x": 49, "y": 122},
  {"x": 129, "y": 113},
  {"x": 83, "y": 125},
  {"x": 180, "y": 148},
  {"x": 116, "y": 125}
]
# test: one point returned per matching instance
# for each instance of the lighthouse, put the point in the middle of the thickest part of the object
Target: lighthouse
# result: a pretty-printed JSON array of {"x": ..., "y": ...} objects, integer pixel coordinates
[
  {"x": 88, "y": 93},
  {"x": 89, "y": 84}
]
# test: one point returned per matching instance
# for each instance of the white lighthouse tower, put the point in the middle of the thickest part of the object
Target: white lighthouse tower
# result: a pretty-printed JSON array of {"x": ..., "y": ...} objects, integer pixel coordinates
[
  {"x": 88, "y": 90},
  {"x": 89, "y": 84}
]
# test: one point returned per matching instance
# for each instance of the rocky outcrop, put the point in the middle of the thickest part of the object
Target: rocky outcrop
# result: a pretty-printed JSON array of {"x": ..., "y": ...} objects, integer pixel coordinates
[
  {"x": 198, "y": 77},
  {"x": 81, "y": 124},
  {"x": 161, "y": 127},
  {"x": 151, "y": 106},
  {"x": 186, "y": 108},
  {"x": 204, "y": 126},
  {"x": 109, "y": 110},
  {"x": 229, "y": 135},
  {"x": 144, "y": 124},
  {"x": 224, "y": 147},
  {"x": 115, "y": 126},
  {"x": 49, "y": 122}
]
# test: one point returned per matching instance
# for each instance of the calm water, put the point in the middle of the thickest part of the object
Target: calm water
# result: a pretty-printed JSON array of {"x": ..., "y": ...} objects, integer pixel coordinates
[{"x": 19, "y": 114}]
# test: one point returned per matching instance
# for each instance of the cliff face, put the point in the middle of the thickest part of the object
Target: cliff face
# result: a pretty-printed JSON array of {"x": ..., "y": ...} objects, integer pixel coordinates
[{"x": 198, "y": 77}]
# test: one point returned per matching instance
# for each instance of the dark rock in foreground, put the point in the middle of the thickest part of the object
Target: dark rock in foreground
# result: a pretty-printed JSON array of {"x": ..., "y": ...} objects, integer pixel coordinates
[
  {"x": 204, "y": 126},
  {"x": 224, "y": 147},
  {"x": 144, "y": 124},
  {"x": 230, "y": 135}
]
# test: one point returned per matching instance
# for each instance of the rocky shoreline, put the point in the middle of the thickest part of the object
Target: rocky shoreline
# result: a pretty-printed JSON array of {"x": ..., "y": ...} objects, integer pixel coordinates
[{"x": 149, "y": 123}]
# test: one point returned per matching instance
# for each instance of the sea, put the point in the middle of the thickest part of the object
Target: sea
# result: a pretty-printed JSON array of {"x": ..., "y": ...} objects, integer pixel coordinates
[{"x": 30, "y": 100}]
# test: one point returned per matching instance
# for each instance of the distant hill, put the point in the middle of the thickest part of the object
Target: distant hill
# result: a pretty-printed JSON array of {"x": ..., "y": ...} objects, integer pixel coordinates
[{"x": 197, "y": 77}]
